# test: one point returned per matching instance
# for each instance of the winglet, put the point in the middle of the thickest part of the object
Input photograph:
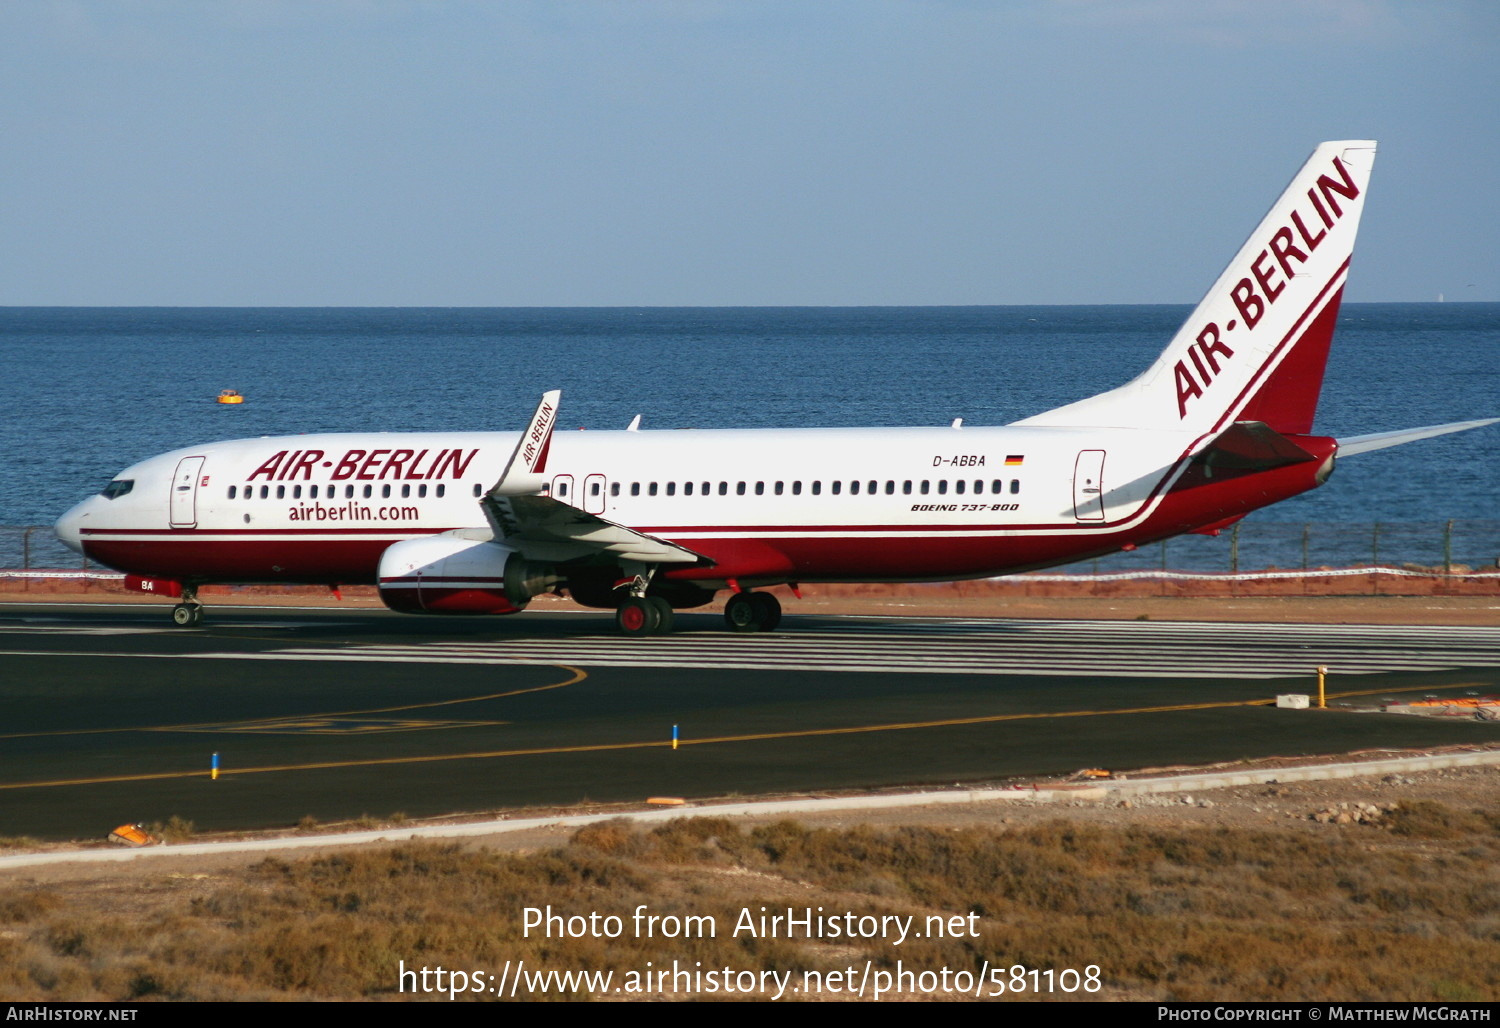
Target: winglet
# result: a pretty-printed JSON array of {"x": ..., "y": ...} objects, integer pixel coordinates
[{"x": 526, "y": 470}]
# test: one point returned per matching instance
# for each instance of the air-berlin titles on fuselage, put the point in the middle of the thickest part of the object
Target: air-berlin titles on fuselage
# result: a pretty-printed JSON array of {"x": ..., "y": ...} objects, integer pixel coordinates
[
  {"x": 366, "y": 465},
  {"x": 1258, "y": 290}
]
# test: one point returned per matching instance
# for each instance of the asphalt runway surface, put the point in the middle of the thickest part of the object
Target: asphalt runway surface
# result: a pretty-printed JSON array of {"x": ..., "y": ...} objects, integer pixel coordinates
[{"x": 113, "y": 715}]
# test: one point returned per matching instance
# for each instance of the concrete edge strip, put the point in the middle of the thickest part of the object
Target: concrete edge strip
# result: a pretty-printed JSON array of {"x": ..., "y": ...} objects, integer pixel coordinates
[{"x": 1101, "y": 790}]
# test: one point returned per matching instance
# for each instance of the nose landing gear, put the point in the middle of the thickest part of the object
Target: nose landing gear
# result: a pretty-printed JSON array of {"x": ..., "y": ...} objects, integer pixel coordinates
[{"x": 188, "y": 613}]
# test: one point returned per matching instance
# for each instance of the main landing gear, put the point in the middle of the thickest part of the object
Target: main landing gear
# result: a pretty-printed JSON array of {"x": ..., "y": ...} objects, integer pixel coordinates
[
  {"x": 752, "y": 612},
  {"x": 188, "y": 613},
  {"x": 644, "y": 615}
]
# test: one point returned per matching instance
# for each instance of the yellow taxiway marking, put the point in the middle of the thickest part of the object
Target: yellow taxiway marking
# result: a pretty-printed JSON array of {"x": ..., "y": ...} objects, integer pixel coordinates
[
  {"x": 251, "y": 723},
  {"x": 667, "y": 743}
]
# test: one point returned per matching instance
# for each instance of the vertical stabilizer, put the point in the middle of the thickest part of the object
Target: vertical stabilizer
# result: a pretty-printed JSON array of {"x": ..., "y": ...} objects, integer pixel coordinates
[{"x": 1256, "y": 346}]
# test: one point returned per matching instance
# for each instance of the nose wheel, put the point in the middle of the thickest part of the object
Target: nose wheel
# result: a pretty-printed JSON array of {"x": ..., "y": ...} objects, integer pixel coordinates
[
  {"x": 752, "y": 612},
  {"x": 187, "y": 615}
]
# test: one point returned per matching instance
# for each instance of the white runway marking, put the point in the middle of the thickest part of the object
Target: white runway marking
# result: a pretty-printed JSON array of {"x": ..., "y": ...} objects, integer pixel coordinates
[{"x": 1086, "y": 648}]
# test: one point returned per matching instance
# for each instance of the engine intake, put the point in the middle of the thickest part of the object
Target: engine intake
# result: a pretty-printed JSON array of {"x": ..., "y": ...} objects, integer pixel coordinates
[{"x": 444, "y": 574}]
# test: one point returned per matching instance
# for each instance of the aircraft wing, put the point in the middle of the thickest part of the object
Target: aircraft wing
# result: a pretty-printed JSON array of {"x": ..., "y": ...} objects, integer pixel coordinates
[
  {"x": 1380, "y": 440},
  {"x": 543, "y": 527},
  {"x": 530, "y": 522}
]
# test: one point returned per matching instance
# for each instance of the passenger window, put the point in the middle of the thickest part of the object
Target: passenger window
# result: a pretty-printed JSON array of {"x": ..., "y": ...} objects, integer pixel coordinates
[
  {"x": 796, "y": 488},
  {"x": 296, "y": 492},
  {"x": 477, "y": 489},
  {"x": 707, "y": 487},
  {"x": 651, "y": 489},
  {"x": 906, "y": 488},
  {"x": 687, "y": 488},
  {"x": 614, "y": 488},
  {"x": 281, "y": 492},
  {"x": 874, "y": 486},
  {"x": 265, "y": 491},
  {"x": 997, "y": 486},
  {"x": 958, "y": 487},
  {"x": 890, "y": 488},
  {"x": 739, "y": 489},
  {"x": 942, "y": 486},
  {"x": 671, "y": 488},
  {"x": 778, "y": 488},
  {"x": 312, "y": 491},
  {"x": 231, "y": 492},
  {"x": 369, "y": 491},
  {"x": 422, "y": 490},
  {"x": 837, "y": 487},
  {"x": 593, "y": 488},
  {"x": 925, "y": 486},
  {"x": 723, "y": 488},
  {"x": 405, "y": 492},
  {"x": 385, "y": 492},
  {"x": 1015, "y": 486},
  {"x": 760, "y": 488},
  {"x": 441, "y": 489},
  {"x": 853, "y": 488},
  {"x": 817, "y": 488}
]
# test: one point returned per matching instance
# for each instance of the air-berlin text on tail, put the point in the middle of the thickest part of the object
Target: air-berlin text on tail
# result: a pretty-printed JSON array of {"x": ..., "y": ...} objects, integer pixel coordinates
[
  {"x": 1272, "y": 268},
  {"x": 366, "y": 465}
]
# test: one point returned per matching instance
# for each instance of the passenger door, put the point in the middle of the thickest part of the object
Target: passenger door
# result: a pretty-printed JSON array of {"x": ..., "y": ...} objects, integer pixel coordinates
[
  {"x": 1088, "y": 486},
  {"x": 184, "y": 503}
]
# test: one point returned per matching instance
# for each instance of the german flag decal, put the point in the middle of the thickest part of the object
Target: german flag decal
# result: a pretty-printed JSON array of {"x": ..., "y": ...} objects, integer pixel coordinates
[{"x": 1014, "y": 460}]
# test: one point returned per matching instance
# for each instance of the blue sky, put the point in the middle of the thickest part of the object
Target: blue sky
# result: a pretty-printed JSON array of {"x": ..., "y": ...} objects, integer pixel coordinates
[{"x": 645, "y": 152}]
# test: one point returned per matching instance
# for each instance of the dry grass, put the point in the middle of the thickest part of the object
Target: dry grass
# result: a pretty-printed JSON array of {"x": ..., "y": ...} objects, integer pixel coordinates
[{"x": 1408, "y": 913}]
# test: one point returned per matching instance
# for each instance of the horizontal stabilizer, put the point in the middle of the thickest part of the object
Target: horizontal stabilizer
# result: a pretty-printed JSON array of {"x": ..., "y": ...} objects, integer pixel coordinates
[
  {"x": 1251, "y": 446},
  {"x": 1380, "y": 440}
]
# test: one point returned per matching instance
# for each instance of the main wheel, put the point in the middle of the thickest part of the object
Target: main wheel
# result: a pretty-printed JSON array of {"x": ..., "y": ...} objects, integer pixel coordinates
[
  {"x": 638, "y": 616},
  {"x": 663, "y": 615},
  {"x": 743, "y": 613},
  {"x": 187, "y": 615},
  {"x": 769, "y": 610}
]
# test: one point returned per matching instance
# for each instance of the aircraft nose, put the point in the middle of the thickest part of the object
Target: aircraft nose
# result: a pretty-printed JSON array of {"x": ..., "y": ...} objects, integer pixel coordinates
[{"x": 69, "y": 527}]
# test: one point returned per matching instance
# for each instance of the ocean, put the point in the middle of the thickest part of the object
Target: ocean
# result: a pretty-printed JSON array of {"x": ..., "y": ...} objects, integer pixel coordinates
[{"x": 91, "y": 390}]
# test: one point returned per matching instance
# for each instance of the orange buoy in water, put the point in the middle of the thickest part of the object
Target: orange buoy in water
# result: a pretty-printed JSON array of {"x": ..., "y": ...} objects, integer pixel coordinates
[{"x": 230, "y": 396}]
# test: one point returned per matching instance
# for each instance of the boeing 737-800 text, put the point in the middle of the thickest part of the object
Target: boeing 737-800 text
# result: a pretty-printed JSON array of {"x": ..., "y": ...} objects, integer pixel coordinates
[{"x": 645, "y": 522}]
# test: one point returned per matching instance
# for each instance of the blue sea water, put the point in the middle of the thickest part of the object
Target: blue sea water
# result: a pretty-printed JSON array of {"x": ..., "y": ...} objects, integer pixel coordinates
[{"x": 90, "y": 390}]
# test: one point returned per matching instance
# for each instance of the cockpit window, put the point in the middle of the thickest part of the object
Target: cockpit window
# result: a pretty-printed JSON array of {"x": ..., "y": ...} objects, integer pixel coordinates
[{"x": 119, "y": 487}]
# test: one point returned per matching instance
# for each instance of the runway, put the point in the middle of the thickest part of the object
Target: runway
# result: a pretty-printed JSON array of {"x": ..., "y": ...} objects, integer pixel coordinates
[{"x": 333, "y": 714}]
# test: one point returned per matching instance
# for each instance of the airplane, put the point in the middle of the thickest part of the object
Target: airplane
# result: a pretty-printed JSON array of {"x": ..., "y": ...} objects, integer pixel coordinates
[{"x": 647, "y": 523}]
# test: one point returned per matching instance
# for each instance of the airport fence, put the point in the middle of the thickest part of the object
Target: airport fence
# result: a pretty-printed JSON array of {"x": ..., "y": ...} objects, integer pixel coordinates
[{"x": 1448, "y": 547}]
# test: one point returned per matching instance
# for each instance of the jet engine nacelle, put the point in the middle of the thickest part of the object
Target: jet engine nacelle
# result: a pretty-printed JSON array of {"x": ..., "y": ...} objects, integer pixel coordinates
[{"x": 445, "y": 574}]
